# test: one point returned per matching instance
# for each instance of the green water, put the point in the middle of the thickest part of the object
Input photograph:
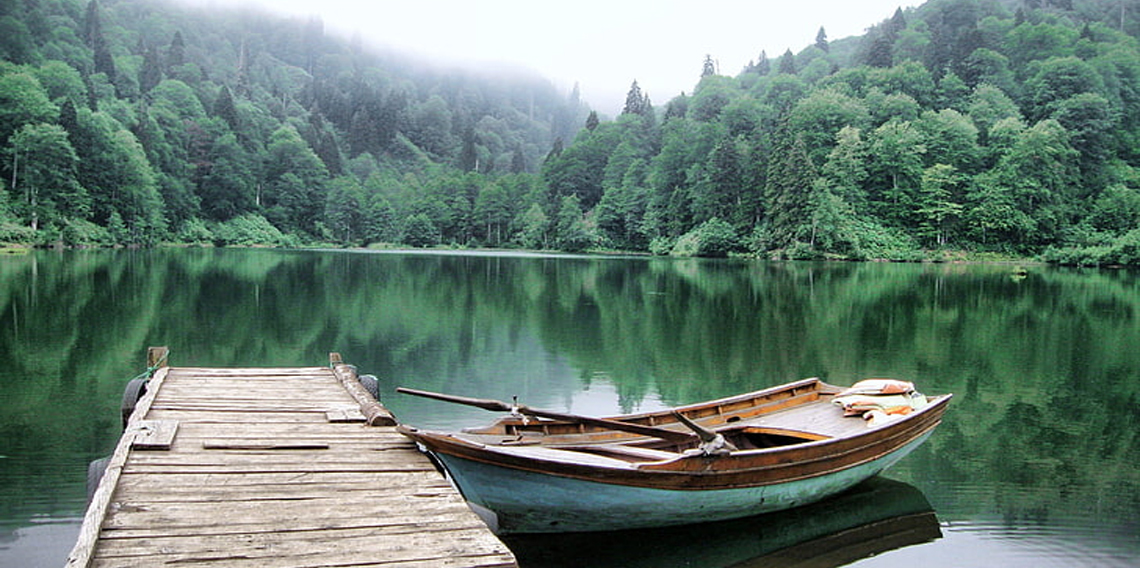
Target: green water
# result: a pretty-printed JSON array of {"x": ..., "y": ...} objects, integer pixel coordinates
[{"x": 1034, "y": 465}]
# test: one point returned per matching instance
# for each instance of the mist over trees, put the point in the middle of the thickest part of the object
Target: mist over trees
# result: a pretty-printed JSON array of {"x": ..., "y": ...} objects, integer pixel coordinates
[{"x": 961, "y": 125}]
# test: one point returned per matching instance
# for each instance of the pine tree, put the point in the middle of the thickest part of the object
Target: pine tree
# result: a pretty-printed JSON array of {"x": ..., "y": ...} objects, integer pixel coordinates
[
  {"x": 176, "y": 53},
  {"x": 763, "y": 66},
  {"x": 635, "y": 101},
  {"x": 518, "y": 161},
  {"x": 787, "y": 63},
  {"x": 224, "y": 108},
  {"x": 592, "y": 121},
  {"x": 709, "y": 67},
  {"x": 93, "y": 34},
  {"x": 469, "y": 154},
  {"x": 791, "y": 177},
  {"x": 151, "y": 73},
  {"x": 821, "y": 41}
]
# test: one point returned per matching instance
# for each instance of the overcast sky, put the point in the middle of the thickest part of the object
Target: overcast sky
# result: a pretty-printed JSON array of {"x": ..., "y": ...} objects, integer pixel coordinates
[{"x": 603, "y": 45}]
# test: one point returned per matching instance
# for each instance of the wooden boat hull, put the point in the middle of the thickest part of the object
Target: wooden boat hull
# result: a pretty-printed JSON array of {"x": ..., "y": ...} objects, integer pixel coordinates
[
  {"x": 516, "y": 501},
  {"x": 793, "y": 446},
  {"x": 873, "y": 518}
]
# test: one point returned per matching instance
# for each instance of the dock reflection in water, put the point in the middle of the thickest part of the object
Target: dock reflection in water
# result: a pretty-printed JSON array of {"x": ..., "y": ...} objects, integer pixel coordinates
[{"x": 875, "y": 517}]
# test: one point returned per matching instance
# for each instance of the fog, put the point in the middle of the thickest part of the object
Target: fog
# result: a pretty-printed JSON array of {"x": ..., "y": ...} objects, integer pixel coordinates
[{"x": 601, "y": 45}]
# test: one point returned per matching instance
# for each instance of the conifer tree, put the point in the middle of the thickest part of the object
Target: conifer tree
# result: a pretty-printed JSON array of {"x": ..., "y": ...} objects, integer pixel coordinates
[
  {"x": 635, "y": 101},
  {"x": 224, "y": 108},
  {"x": 821, "y": 40},
  {"x": 709, "y": 67},
  {"x": 787, "y": 63},
  {"x": 592, "y": 121},
  {"x": 176, "y": 53},
  {"x": 763, "y": 66},
  {"x": 151, "y": 73},
  {"x": 93, "y": 34}
]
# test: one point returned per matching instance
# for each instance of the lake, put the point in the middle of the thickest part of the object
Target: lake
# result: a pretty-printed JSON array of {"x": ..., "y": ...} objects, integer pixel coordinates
[{"x": 1035, "y": 464}]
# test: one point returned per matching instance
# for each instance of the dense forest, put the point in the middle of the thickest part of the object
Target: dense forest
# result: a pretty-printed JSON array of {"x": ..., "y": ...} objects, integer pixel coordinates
[{"x": 958, "y": 127}]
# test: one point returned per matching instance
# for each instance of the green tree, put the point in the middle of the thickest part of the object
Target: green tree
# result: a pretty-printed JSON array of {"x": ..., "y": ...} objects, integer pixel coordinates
[
  {"x": 22, "y": 101},
  {"x": 150, "y": 75},
  {"x": 719, "y": 192},
  {"x": 494, "y": 211},
  {"x": 16, "y": 42},
  {"x": 821, "y": 41},
  {"x": 845, "y": 170},
  {"x": 420, "y": 231},
  {"x": 636, "y": 102},
  {"x": 1091, "y": 122},
  {"x": 43, "y": 175},
  {"x": 176, "y": 52},
  {"x": 224, "y": 109},
  {"x": 791, "y": 179},
  {"x": 949, "y": 138},
  {"x": 818, "y": 117},
  {"x": 533, "y": 227},
  {"x": 787, "y": 63},
  {"x": 570, "y": 231},
  {"x": 343, "y": 212},
  {"x": 295, "y": 178},
  {"x": 894, "y": 170},
  {"x": 1058, "y": 79},
  {"x": 709, "y": 67},
  {"x": 62, "y": 83},
  {"x": 938, "y": 204},
  {"x": 93, "y": 34},
  {"x": 989, "y": 104}
]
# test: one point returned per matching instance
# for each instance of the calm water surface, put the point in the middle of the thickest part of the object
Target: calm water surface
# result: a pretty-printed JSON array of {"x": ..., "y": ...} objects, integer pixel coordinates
[{"x": 1033, "y": 466}]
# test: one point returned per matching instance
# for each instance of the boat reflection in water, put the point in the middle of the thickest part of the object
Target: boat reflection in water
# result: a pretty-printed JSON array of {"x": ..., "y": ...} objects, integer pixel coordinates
[{"x": 876, "y": 516}]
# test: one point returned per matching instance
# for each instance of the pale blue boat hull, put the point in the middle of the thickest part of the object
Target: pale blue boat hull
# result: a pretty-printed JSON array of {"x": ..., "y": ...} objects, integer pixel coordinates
[{"x": 516, "y": 501}]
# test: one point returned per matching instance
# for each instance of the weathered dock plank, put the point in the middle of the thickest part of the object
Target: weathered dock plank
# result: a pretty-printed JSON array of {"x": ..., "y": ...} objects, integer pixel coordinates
[{"x": 274, "y": 468}]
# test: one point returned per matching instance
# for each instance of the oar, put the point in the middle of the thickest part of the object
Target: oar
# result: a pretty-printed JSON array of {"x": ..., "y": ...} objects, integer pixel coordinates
[
  {"x": 711, "y": 442},
  {"x": 499, "y": 406}
]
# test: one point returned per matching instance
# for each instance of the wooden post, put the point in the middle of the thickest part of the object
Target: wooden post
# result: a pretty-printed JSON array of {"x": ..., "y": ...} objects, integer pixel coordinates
[
  {"x": 373, "y": 411},
  {"x": 156, "y": 357}
]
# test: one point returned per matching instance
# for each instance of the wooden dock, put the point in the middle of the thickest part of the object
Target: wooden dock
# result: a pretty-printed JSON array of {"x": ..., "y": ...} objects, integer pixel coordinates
[{"x": 273, "y": 468}]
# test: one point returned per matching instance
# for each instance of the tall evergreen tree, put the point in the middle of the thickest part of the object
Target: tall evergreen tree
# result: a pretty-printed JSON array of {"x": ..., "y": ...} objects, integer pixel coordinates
[
  {"x": 821, "y": 41},
  {"x": 224, "y": 108},
  {"x": 176, "y": 53},
  {"x": 787, "y": 63},
  {"x": 150, "y": 75},
  {"x": 791, "y": 177},
  {"x": 709, "y": 67},
  {"x": 635, "y": 101},
  {"x": 592, "y": 121},
  {"x": 93, "y": 34},
  {"x": 763, "y": 65}
]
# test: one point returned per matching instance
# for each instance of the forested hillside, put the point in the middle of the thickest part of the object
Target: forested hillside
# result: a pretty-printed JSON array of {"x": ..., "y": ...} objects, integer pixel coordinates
[
  {"x": 1010, "y": 126},
  {"x": 141, "y": 121},
  {"x": 960, "y": 125}
]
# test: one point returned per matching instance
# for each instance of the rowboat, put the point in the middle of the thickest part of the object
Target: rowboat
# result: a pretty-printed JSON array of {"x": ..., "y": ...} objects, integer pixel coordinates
[{"x": 539, "y": 471}]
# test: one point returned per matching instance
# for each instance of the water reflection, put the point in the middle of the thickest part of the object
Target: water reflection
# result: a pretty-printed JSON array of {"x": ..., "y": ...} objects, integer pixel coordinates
[
  {"x": 1045, "y": 365},
  {"x": 877, "y": 516}
]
